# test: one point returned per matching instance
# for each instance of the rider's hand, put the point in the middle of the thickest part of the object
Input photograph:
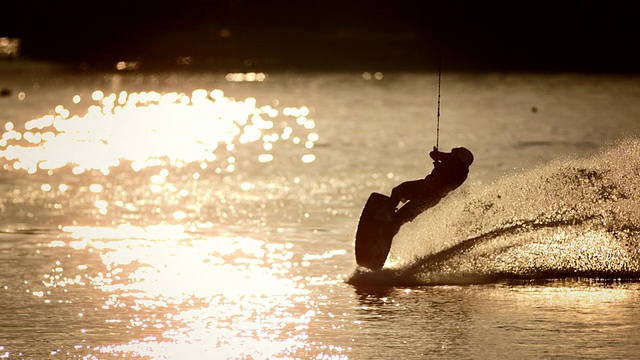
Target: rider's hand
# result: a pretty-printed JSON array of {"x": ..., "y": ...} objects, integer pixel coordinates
[{"x": 433, "y": 153}]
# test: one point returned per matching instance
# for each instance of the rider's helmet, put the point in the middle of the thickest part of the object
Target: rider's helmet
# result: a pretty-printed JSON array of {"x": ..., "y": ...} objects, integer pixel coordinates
[{"x": 463, "y": 155}]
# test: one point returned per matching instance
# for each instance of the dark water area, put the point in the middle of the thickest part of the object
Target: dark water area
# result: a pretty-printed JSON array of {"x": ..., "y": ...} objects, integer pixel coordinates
[{"x": 330, "y": 35}]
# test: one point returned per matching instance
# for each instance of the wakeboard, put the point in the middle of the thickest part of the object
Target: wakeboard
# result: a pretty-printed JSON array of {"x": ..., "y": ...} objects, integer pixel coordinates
[{"x": 376, "y": 229}]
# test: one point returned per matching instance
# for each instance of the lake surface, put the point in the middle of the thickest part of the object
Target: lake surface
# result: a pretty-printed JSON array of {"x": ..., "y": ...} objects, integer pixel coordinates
[{"x": 211, "y": 215}]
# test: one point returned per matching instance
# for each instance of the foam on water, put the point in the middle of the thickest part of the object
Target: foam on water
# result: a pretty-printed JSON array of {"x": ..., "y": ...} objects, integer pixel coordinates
[{"x": 569, "y": 218}]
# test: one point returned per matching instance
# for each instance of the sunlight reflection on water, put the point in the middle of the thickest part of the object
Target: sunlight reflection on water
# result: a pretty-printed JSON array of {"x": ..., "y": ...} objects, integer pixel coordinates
[
  {"x": 193, "y": 296},
  {"x": 138, "y": 186},
  {"x": 152, "y": 157},
  {"x": 147, "y": 128}
]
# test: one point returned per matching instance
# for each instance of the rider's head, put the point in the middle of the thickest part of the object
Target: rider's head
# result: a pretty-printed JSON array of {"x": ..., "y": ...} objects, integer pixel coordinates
[{"x": 463, "y": 155}]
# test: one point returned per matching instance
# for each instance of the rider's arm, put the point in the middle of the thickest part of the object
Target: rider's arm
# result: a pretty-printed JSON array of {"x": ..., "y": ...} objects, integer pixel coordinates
[{"x": 407, "y": 190}]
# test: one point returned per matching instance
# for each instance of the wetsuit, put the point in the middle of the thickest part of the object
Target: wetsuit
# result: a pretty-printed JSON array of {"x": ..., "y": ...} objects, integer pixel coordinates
[{"x": 448, "y": 174}]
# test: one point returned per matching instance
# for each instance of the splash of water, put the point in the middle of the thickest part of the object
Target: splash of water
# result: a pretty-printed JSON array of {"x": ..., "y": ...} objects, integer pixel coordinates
[{"x": 572, "y": 218}]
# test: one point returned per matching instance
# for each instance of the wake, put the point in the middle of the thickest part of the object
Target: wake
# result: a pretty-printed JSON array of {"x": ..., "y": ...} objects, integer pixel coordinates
[{"x": 574, "y": 218}]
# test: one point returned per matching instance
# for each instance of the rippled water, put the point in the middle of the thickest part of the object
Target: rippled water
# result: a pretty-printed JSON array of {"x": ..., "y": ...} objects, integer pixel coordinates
[{"x": 183, "y": 215}]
